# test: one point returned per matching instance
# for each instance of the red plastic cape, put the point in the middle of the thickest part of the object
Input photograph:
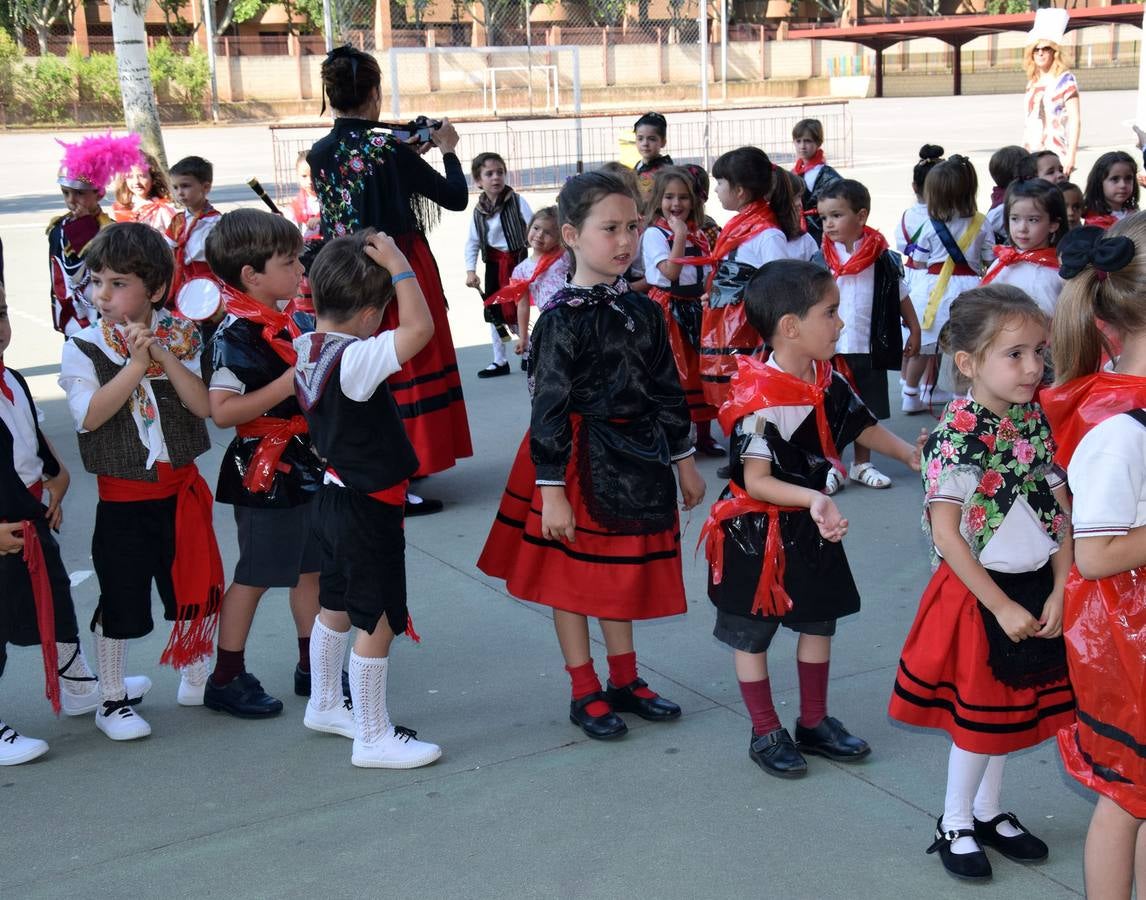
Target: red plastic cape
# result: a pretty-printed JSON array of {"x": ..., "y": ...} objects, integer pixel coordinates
[
  {"x": 1099, "y": 220},
  {"x": 803, "y": 165},
  {"x": 1008, "y": 256},
  {"x": 519, "y": 287},
  {"x": 745, "y": 225},
  {"x": 1077, "y": 406},
  {"x": 871, "y": 247},
  {"x": 757, "y": 385},
  {"x": 246, "y": 307}
]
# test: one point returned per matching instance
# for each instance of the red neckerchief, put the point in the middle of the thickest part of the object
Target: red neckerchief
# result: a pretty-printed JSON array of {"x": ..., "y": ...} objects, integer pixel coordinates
[
  {"x": 519, "y": 287},
  {"x": 803, "y": 165},
  {"x": 274, "y": 322},
  {"x": 1077, "y": 406},
  {"x": 1101, "y": 220},
  {"x": 695, "y": 236},
  {"x": 4, "y": 389},
  {"x": 871, "y": 246},
  {"x": 745, "y": 225},
  {"x": 1008, "y": 256}
]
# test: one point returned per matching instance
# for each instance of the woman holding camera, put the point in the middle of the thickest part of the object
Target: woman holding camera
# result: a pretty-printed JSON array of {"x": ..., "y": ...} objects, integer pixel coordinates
[{"x": 367, "y": 178}]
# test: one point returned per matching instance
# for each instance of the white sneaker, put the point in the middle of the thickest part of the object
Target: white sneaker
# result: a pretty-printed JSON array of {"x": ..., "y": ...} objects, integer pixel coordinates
[
  {"x": 913, "y": 403},
  {"x": 396, "y": 749},
  {"x": 82, "y": 704},
  {"x": 16, "y": 748},
  {"x": 338, "y": 720},
  {"x": 189, "y": 693},
  {"x": 936, "y": 396},
  {"x": 120, "y": 722}
]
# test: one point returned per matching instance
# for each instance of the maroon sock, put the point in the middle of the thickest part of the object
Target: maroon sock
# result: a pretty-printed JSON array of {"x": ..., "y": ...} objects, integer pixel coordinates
[
  {"x": 813, "y": 692},
  {"x": 758, "y": 698},
  {"x": 623, "y": 672},
  {"x": 229, "y": 665},
  {"x": 304, "y": 654},
  {"x": 585, "y": 682}
]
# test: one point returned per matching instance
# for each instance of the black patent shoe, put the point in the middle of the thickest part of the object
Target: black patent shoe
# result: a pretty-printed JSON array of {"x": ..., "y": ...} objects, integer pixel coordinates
[
  {"x": 302, "y": 682},
  {"x": 600, "y": 728},
  {"x": 972, "y": 866},
  {"x": 1023, "y": 847},
  {"x": 654, "y": 709},
  {"x": 242, "y": 697},
  {"x": 832, "y": 740},
  {"x": 494, "y": 370},
  {"x": 776, "y": 753},
  {"x": 425, "y": 506}
]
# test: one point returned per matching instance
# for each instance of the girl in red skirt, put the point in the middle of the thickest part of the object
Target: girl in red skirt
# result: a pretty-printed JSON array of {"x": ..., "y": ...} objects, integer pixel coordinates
[
  {"x": 588, "y": 522},
  {"x": 673, "y": 234},
  {"x": 1100, "y": 420},
  {"x": 984, "y": 660}
]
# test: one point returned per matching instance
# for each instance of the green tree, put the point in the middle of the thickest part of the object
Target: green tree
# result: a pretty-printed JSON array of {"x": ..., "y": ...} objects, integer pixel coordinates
[{"x": 40, "y": 16}]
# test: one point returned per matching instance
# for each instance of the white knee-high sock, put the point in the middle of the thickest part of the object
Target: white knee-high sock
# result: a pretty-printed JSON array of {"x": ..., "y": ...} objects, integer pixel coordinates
[
  {"x": 988, "y": 799},
  {"x": 75, "y": 676},
  {"x": 964, "y": 774},
  {"x": 368, "y": 693},
  {"x": 498, "y": 345},
  {"x": 111, "y": 658},
  {"x": 196, "y": 672},
  {"x": 327, "y": 650}
]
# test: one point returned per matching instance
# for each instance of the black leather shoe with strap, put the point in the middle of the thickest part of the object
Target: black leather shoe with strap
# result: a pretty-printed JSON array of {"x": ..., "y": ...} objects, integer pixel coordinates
[
  {"x": 776, "y": 753},
  {"x": 1023, "y": 847},
  {"x": 972, "y": 866},
  {"x": 654, "y": 708},
  {"x": 601, "y": 728},
  {"x": 243, "y": 698}
]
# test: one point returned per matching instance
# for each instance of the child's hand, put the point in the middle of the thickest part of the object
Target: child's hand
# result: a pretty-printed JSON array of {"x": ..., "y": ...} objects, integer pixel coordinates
[
  {"x": 11, "y": 538},
  {"x": 1051, "y": 620},
  {"x": 139, "y": 340},
  {"x": 381, "y": 248},
  {"x": 472, "y": 280},
  {"x": 557, "y": 522},
  {"x": 285, "y": 384},
  {"x": 833, "y": 526},
  {"x": 911, "y": 346},
  {"x": 678, "y": 226},
  {"x": 915, "y": 461},
  {"x": 519, "y": 345},
  {"x": 1016, "y": 622},
  {"x": 313, "y": 223},
  {"x": 56, "y": 488},
  {"x": 692, "y": 484}
]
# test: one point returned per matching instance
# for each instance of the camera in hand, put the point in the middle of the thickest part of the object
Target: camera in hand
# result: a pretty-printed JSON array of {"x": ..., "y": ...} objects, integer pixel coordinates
[{"x": 415, "y": 131}]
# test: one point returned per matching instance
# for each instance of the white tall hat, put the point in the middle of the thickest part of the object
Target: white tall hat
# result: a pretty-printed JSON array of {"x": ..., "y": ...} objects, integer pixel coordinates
[{"x": 1050, "y": 25}]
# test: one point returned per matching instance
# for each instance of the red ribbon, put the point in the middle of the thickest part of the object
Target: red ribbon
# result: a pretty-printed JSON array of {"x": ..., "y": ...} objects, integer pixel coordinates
[
  {"x": 197, "y": 572},
  {"x": 757, "y": 385},
  {"x": 872, "y": 245},
  {"x": 770, "y": 598},
  {"x": 1101, "y": 220},
  {"x": 519, "y": 287},
  {"x": 745, "y": 225},
  {"x": 42, "y": 598},
  {"x": 4, "y": 389},
  {"x": 803, "y": 165},
  {"x": 274, "y": 322},
  {"x": 1008, "y": 256},
  {"x": 275, "y": 434}
]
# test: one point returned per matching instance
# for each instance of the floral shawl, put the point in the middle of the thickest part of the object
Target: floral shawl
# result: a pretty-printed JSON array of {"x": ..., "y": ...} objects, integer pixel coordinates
[{"x": 1011, "y": 456}]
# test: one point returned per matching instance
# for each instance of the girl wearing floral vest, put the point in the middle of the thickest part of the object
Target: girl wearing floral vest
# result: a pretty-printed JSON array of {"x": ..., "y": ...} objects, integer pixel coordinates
[{"x": 984, "y": 660}]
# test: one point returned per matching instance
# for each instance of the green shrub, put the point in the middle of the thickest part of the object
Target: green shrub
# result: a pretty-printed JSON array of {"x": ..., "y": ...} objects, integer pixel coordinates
[
  {"x": 194, "y": 75},
  {"x": 98, "y": 77},
  {"x": 165, "y": 64},
  {"x": 11, "y": 55},
  {"x": 48, "y": 89}
]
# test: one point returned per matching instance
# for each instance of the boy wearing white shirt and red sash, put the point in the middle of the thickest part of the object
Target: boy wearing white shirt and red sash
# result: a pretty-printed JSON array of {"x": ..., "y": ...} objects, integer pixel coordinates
[{"x": 187, "y": 234}]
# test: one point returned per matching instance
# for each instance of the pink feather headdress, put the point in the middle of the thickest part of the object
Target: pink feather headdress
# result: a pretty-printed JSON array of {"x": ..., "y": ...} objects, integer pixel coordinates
[{"x": 89, "y": 164}]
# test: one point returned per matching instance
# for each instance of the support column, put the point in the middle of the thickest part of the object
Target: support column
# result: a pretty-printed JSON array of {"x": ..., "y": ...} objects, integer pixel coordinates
[
  {"x": 80, "y": 26},
  {"x": 383, "y": 26}
]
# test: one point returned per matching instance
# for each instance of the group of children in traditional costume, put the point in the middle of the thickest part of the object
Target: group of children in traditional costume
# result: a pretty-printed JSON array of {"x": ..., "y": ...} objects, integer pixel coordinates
[{"x": 786, "y": 342}]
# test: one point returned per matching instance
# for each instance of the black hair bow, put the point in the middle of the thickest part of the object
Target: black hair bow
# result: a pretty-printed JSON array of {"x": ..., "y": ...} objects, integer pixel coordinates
[{"x": 1088, "y": 246}]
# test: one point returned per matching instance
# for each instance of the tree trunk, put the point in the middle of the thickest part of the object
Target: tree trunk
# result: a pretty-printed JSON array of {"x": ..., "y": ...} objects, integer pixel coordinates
[
  {"x": 139, "y": 110},
  {"x": 42, "y": 38}
]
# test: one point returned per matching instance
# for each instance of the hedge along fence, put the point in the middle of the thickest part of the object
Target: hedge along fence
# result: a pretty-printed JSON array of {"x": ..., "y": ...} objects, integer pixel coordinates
[{"x": 75, "y": 88}]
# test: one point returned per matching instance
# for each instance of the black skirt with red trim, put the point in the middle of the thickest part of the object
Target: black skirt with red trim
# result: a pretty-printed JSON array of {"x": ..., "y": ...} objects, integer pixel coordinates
[
  {"x": 601, "y": 574},
  {"x": 499, "y": 266},
  {"x": 944, "y": 680},
  {"x": 428, "y": 389},
  {"x": 685, "y": 344}
]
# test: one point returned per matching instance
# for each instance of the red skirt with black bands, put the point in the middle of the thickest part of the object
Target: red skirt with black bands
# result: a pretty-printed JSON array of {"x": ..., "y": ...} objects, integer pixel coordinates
[
  {"x": 943, "y": 680},
  {"x": 428, "y": 389},
  {"x": 686, "y": 357},
  {"x": 605, "y": 575}
]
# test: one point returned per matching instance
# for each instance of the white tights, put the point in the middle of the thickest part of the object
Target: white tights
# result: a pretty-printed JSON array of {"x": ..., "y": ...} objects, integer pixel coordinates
[{"x": 974, "y": 787}]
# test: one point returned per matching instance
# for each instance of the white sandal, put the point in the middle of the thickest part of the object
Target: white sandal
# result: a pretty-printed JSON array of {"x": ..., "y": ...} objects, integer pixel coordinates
[
  {"x": 834, "y": 484},
  {"x": 869, "y": 476}
]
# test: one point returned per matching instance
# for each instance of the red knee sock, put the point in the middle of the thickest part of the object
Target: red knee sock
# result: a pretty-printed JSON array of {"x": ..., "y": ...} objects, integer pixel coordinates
[
  {"x": 623, "y": 672},
  {"x": 813, "y": 692},
  {"x": 758, "y": 699},
  {"x": 585, "y": 682},
  {"x": 304, "y": 654},
  {"x": 229, "y": 665}
]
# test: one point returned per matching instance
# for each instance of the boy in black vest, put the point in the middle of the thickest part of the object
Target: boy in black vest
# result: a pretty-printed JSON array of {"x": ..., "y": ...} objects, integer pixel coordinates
[
  {"x": 874, "y": 300},
  {"x": 355, "y": 426},
  {"x": 499, "y": 232},
  {"x": 773, "y": 538},
  {"x": 270, "y": 472},
  {"x": 133, "y": 387},
  {"x": 808, "y": 142}
]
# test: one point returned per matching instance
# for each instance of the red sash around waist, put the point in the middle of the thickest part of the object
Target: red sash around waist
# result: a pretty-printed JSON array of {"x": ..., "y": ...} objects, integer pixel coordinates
[
  {"x": 197, "y": 571},
  {"x": 274, "y": 435},
  {"x": 936, "y": 268},
  {"x": 42, "y": 599}
]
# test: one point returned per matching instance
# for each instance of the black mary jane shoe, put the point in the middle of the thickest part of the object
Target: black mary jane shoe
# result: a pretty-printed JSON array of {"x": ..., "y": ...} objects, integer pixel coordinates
[
  {"x": 494, "y": 370},
  {"x": 1024, "y": 847},
  {"x": 709, "y": 448},
  {"x": 600, "y": 728},
  {"x": 426, "y": 506},
  {"x": 971, "y": 866},
  {"x": 654, "y": 709},
  {"x": 776, "y": 753},
  {"x": 832, "y": 740},
  {"x": 302, "y": 682},
  {"x": 243, "y": 697}
]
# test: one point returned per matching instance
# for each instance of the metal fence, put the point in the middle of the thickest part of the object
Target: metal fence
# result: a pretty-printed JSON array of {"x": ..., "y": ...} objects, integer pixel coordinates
[{"x": 543, "y": 153}]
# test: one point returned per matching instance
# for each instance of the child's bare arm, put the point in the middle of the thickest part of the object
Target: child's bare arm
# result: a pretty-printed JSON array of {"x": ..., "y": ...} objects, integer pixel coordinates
[
  {"x": 189, "y": 386},
  {"x": 111, "y": 397},
  {"x": 522, "y": 325},
  {"x": 911, "y": 323},
  {"x": 881, "y": 440},
  {"x": 415, "y": 324},
  {"x": 762, "y": 485},
  {"x": 229, "y": 408},
  {"x": 1105, "y": 555}
]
